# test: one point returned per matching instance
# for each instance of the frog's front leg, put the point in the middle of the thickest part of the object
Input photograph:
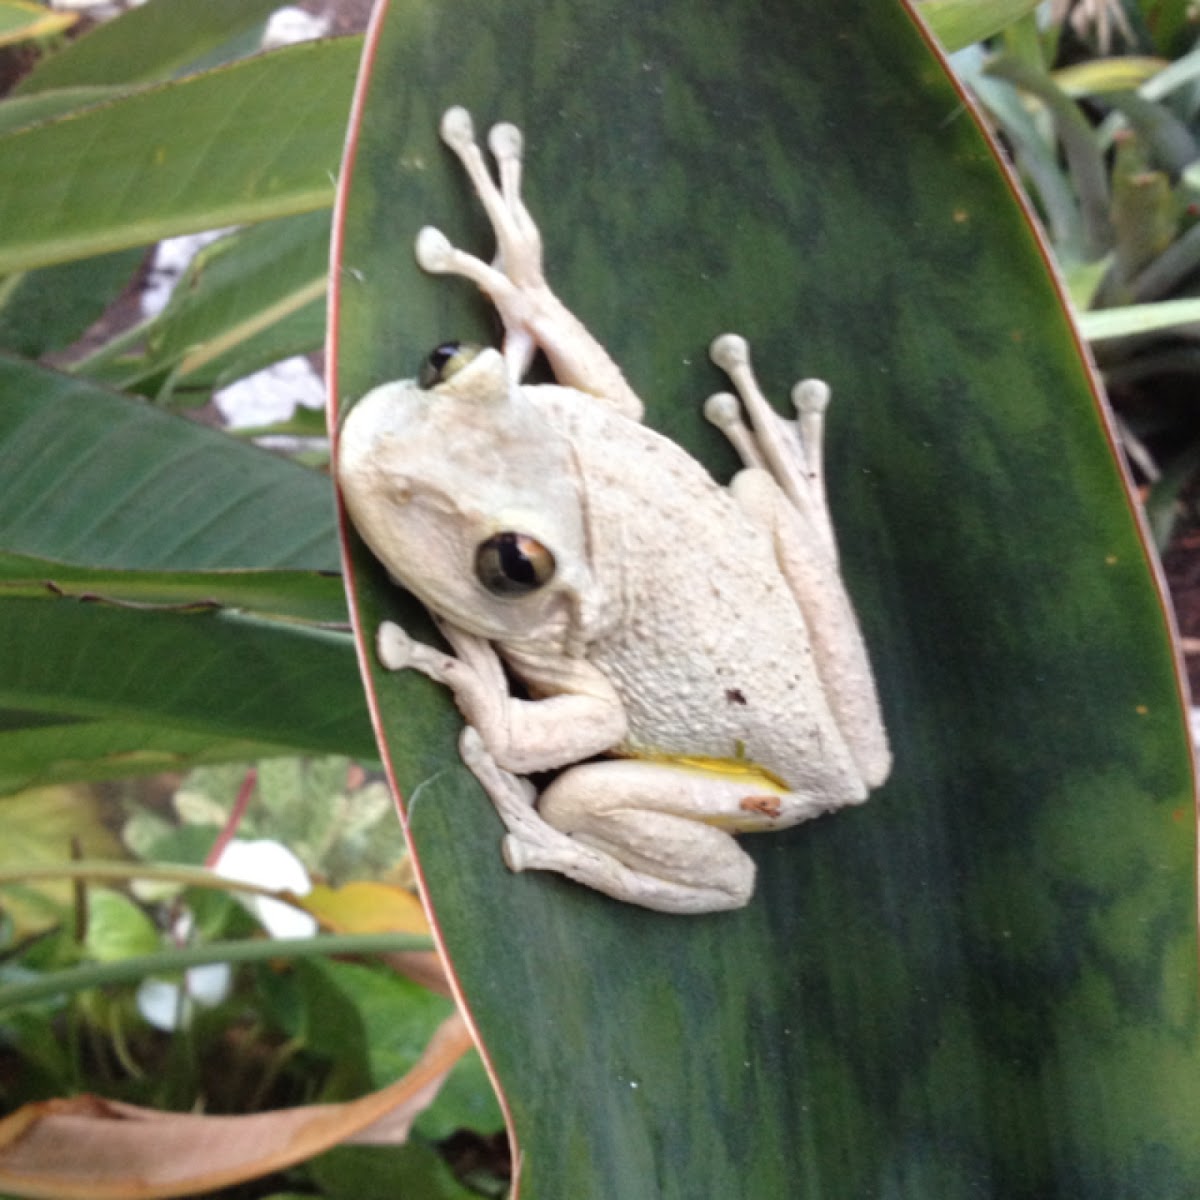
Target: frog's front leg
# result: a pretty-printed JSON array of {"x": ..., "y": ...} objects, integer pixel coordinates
[
  {"x": 783, "y": 490},
  {"x": 530, "y": 736},
  {"x": 524, "y": 736},
  {"x": 533, "y": 315}
]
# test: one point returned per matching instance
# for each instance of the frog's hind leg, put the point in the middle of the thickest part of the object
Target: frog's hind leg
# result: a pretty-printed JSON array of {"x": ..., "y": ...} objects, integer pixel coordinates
[
  {"x": 785, "y": 495},
  {"x": 721, "y": 875},
  {"x": 839, "y": 653},
  {"x": 791, "y": 451},
  {"x": 668, "y": 828}
]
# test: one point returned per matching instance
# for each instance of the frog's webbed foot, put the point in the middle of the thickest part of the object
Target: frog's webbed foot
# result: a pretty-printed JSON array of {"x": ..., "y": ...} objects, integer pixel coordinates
[
  {"x": 398, "y": 652},
  {"x": 517, "y": 268},
  {"x": 534, "y": 318},
  {"x": 789, "y": 450}
]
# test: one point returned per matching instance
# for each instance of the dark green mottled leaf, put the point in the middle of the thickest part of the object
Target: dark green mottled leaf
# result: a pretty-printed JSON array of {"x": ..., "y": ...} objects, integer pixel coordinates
[{"x": 982, "y": 982}]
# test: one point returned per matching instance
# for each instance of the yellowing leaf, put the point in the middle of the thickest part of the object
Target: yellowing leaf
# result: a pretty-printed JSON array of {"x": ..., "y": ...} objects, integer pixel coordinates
[
  {"x": 42, "y": 826},
  {"x": 117, "y": 928},
  {"x": 1107, "y": 75},
  {"x": 366, "y": 907},
  {"x": 22, "y": 21}
]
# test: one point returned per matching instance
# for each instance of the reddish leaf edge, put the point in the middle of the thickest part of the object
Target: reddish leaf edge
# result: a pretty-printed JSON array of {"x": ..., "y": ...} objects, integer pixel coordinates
[
  {"x": 1100, "y": 404},
  {"x": 364, "y": 638}
]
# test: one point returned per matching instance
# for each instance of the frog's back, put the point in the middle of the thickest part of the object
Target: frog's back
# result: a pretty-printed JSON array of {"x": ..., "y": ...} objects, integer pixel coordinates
[{"x": 712, "y": 657}]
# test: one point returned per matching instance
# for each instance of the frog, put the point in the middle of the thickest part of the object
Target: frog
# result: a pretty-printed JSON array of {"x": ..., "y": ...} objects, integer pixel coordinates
[{"x": 674, "y": 661}]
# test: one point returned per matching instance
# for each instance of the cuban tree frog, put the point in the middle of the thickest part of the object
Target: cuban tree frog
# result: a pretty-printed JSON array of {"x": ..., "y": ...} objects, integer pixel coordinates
[{"x": 686, "y": 657}]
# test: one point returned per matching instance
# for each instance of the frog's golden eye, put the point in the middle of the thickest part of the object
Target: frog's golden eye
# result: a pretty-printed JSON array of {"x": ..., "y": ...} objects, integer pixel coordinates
[
  {"x": 445, "y": 361},
  {"x": 513, "y": 564}
]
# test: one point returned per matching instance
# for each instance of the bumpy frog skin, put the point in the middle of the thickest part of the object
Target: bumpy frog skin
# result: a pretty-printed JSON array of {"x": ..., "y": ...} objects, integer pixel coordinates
[{"x": 697, "y": 637}]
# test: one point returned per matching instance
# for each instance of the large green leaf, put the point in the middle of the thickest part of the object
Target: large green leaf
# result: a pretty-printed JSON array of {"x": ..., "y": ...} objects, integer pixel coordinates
[
  {"x": 254, "y": 140},
  {"x": 290, "y": 595},
  {"x": 221, "y": 674},
  {"x": 982, "y": 982},
  {"x": 247, "y": 300},
  {"x": 129, "y": 638},
  {"x": 153, "y": 41},
  {"x": 47, "y": 310},
  {"x": 96, "y": 479},
  {"x": 17, "y": 112}
]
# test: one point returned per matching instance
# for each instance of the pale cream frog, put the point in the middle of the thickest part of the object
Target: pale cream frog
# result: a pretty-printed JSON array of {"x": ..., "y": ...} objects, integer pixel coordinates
[{"x": 699, "y": 637}]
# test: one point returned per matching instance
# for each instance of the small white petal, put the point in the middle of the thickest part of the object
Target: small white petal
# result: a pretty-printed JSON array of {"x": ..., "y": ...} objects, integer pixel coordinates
[
  {"x": 168, "y": 1007},
  {"x": 272, "y": 865},
  {"x": 163, "y": 1005},
  {"x": 290, "y": 25},
  {"x": 211, "y": 984}
]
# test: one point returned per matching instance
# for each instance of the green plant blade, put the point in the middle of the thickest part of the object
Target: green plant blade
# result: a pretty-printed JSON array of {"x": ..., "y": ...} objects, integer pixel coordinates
[
  {"x": 982, "y": 982},
  {"x": 291, "y": 595},
  {"x": 245, "y": 301},
  {"x": 250, "y": 950},
  {"x": 164, "y": 160},
  {"x": 22, "y": 21},
  {"x": 18, "y": 111},
  {"x": 135, "y": 643},
  {"x": 215, "y": 674},
  {"x": 958, "y": 23},
  {"x": 151, "y": 42},
  {"x": 38, "y": 749},
  {"x": 97, "y": 479},
  {"x": 1112, "y": 324},
  {"x": 47, "y": 310}
]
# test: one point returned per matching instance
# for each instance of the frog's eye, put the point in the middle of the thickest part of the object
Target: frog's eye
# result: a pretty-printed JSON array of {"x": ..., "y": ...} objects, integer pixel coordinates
[
  {"x": 513, "y": 564},
  {"x": 444, "y": 362}
]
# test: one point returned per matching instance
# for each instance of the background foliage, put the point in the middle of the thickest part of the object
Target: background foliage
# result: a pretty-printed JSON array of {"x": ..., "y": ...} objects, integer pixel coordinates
[{"x": 980, "y": 983}]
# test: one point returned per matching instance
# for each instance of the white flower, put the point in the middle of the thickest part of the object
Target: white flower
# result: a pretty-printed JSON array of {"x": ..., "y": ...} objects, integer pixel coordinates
[
  {"x": 272, "y": 865},
  {"x": 168, "y": 1006}
]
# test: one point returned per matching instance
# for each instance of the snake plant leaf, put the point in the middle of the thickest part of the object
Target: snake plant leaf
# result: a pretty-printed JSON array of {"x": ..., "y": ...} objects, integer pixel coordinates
[{"x": 983, "y": 981}]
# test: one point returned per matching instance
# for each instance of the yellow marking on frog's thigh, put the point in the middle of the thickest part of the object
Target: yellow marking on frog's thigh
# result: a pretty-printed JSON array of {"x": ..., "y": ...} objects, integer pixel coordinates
[{"x": 732, "y": 770}]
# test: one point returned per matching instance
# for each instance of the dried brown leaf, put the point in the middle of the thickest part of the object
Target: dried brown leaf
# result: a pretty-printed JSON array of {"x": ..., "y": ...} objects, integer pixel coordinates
[{"x": 90, "y": 1148}]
